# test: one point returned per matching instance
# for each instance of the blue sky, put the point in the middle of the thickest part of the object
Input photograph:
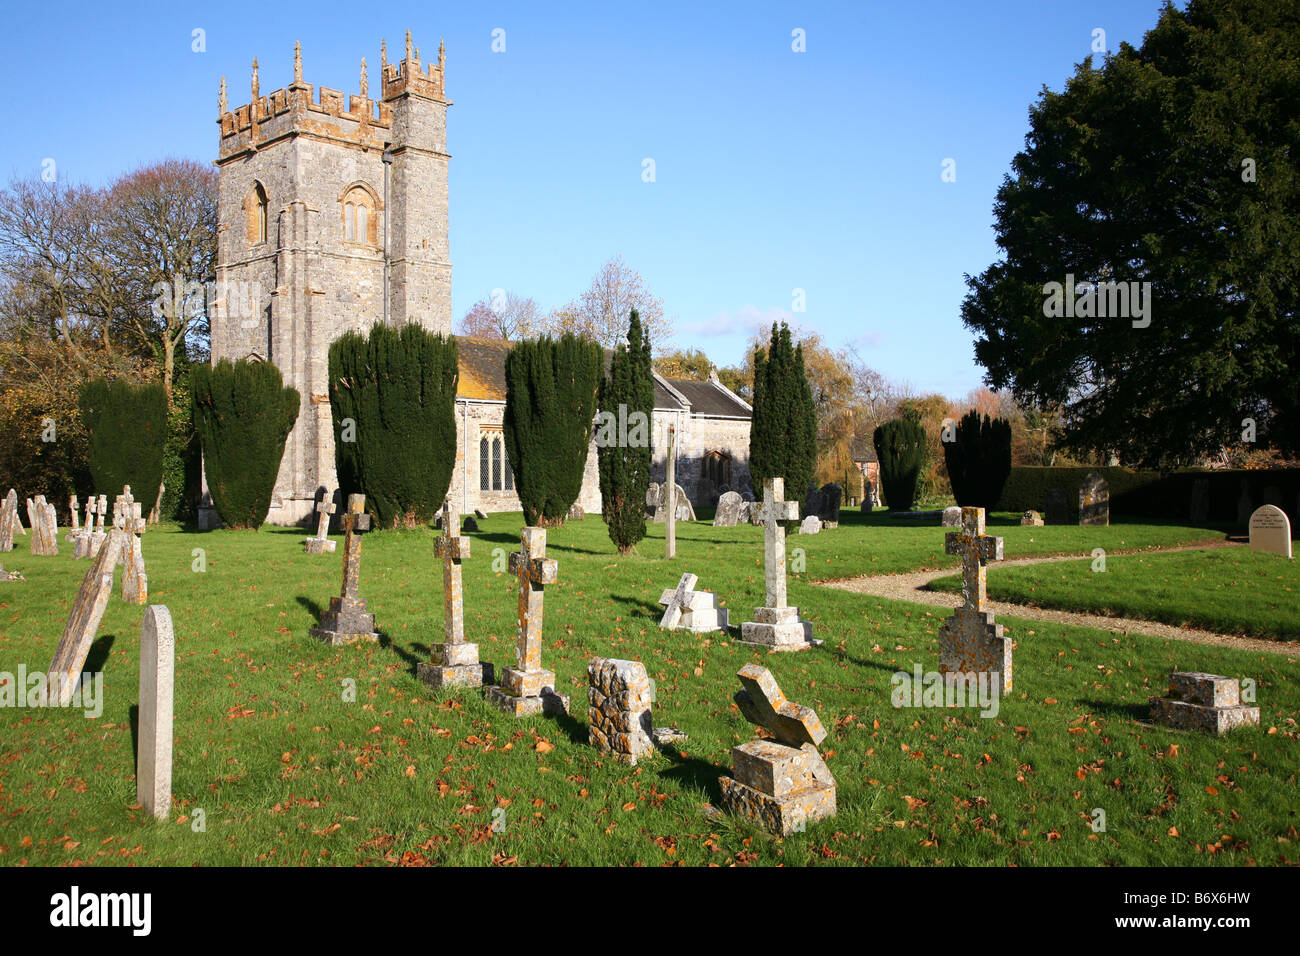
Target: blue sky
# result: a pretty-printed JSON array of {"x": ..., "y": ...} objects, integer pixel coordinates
[{"x": 774, "y": 170}]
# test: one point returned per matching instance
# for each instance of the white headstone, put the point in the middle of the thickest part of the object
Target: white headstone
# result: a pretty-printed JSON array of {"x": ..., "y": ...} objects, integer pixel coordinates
[
  {"x": 153, "y": 772},
  {"x": 1270, "y": 531}
]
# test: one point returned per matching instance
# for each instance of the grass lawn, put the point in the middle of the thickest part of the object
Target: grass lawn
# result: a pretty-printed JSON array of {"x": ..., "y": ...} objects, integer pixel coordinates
[
  {"x": 1228, "y": 590},
  {"x": 286, "y": 772}
]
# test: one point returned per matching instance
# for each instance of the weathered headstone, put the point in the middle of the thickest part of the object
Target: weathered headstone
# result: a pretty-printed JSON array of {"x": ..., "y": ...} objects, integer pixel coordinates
[
  {"x": 44, "y": 523},
  {"x": 75, "y": 531},
  {"x": 1056, "y": 508},
  {"x": 526, "y": 688},
  {"x": 618, "y": 712},
  {"x": 829, "y": 500},
  {"x": 127, "y": 518},
  {"x": 652, "y": 501},
  {"x": 810, "y": 525},
  {"x": 781, "y": 784},
  {"x": 153, "y": 770},
  {"x": 727, "y": 514},
  {"x": 576, "y": 512},
  {"x": 321, "y": 544},
  {"x": 685, "y": 510},
  {"x": 1031, "y": 519},
  {"x": 87, "y": 610},
  {"x": 470, "y": 525},
  {"x": 347, "y": 620},
  {"x": 1200, "y": 504},
  {"x": 691, "y": 610},
  {"x": 1199, "y": 701},
  {"x": 8, "y": 520},
  {"x": 970, "y": 642},
  {"x": 1094, "y": 500},
  {"x": 776, "y": 624},
  {"x": 1270, "y": 531},
  {"x": 951, "y": 517},
  {"x": 454, "y": 662}
]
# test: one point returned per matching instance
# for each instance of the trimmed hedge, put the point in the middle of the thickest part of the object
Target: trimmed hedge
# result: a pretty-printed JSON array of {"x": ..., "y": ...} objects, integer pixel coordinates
[
  {"x": 1148, "y": 494},
  {"x": 127, "y": 429}
]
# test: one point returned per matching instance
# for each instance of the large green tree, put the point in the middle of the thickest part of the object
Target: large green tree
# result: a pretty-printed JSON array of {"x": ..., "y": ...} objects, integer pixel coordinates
[
  {"x": 393, "y": 400},
  {"x": 126, "y": 427},
  {"x": 978, "y": 460},
  {"x": 550, "y": 406},
  {"x": 900, "y": 450},
  {"x": 243, "y": 413},
  {"x": 627, "y": 396},
  {"x": 783, "y": 432},
  {"x": 1175, "y": 164}
]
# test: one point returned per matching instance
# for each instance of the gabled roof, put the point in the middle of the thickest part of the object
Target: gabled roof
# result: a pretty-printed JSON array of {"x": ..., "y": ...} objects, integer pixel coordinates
[{"x": 483, "y": 378}]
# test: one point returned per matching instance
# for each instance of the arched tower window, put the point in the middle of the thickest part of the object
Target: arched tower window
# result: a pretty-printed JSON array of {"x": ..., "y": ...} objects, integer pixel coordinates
[
  {"x": 495, "y": 473},
  {"x": 255, "y": 213},
  {"x": 359, "y": 205}
]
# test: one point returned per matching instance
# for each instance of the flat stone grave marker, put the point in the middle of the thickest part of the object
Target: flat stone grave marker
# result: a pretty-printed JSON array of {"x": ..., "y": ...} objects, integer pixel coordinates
[
  {"x": 347, "y": 620},
  {"x": 1094, "y": 500},
  {"x": 153, "y": 770},
  {"x": 1199, "y": 701},
  {"x": 1031, "y": 519},
  {"x": 1270, "y": 531},
  {"x": 782, "y": 784},
  {"x": 970, "y": 641}
]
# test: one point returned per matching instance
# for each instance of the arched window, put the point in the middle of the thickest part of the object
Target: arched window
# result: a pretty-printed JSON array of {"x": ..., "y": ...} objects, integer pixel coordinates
[
  {"x": 494, "y": 469},
  {"x": 255, "y": 213},
  {"x": 484, "y": 479},
  {"x": 359, "y": 203},
  {"x": 717, "y": 468}
]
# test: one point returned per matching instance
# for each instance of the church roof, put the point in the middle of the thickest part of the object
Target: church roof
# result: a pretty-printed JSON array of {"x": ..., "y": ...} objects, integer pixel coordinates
[{"x": 483, "y": 378}]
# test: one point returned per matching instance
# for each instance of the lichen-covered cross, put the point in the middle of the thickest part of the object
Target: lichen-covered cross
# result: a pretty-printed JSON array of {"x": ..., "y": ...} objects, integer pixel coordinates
[
  {"x": 774, "y": 511},
  {"x": 355, "y": 521},
  {"x": 534, "y": 570},
  {"x": 976, "y": 550},
  {"x": 326, "y": 508},
  {"x": 452, "y": 548}
]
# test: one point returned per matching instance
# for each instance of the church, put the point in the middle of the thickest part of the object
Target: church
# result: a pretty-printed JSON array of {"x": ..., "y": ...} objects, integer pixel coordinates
[{"x": 332, "y": 215}]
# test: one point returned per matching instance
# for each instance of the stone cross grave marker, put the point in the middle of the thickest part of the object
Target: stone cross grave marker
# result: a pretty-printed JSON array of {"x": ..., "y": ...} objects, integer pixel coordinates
[
  {"x": 1270, "y": 531},
  {"x": 8, "y": 520},
  {"x": 100, "y": 513},
  {"x": 347, "y": 620},
  {"x": 691, "y": 610},
  {"x": 81, "y": 544},
  {"x": 454, "y": 662},
  {"x": 970, "y": 641},
  {"x": 776, "y": 624},
  {"x": 618, "y": 713},
  {"x": 1094, "y": 500},
  {"x": 128, "y": 517},
  {"x": 153, "y": 768},
  {"x": 781, "y": 784},
  {"x": 87, "y": 610},
  {"x": 526, "y": 688},
  {"x": 75, "y": 531},
  {"x": 321, "y": 544}
]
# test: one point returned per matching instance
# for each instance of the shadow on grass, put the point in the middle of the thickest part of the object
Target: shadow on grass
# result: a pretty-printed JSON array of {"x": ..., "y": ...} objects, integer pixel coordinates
[
  {"x": 134, "y": 717},
  {"x": 648, "y": 609},
  {"x": 693, "y": 772},
  {"x": 312, "y": 607},
  {"x": 1108, "y": 708},
  {"x": 572, "y": 727},
  {"x": 413, "y": 656},
  {"x": 97, "y": 657}
]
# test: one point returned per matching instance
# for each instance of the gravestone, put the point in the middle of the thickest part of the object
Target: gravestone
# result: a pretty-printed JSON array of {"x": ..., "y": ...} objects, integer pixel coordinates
[
  {"x": 652, "y": 500},
  {"x": 868, "y": 498},
  {"x": 812, "y": 501},
  {"x": 87, "y": 610},
  {"x": 1270, "y": 531},
  {"x": 685, "y": 510},
  {"x": 781, "y": 784},
  {"x": 691, "y": 610},
  {"x": 1200, "y": 504},
  {"x": 1245, "y": 504},
  {"x": 96, "y": 539},
  {"x": 970, "y": 641},
  {"x": 153, "y": 769},
  {"x": 346, "y": 620},
  {"x": 44, "y": 523},
  {"x": 127, "y": 518},
  {"x": 8, "y": 520},
  {"x": 829, "y": 499},
  {"x": 1094, "y": 500},
  {"x": 575, "y": 513},
  {"x": 321, "y": 544},
  {"x": 951, "y": 518},
  {"x": 1056, "y": 508},
  {"x": 810, "y": 525},
  {"x": 471, "y": 525},
  {"x": 776, "y": 624},
  {"x": 618, "y": 711},
  {"x": 81, "y": 544},
  {"x": 454, "y": 662},
  {"x": 527, "y": 688},
  {"x": 727, "y": 514},
  {"x": 1199, "y": 701},
  {"x": 743, "y": 512},
  {"x": 1031, "y": 519},
  {"x": 75, "y": 530}
]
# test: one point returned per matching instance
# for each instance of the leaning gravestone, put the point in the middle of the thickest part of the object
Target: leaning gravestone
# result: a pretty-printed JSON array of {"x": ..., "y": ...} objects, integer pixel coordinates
[
  {"x": 728, "y": 511},
  {"x": 1198, "y": 701},
  {"x": 321, "y": 544},
  {"x": 44, "y": 524},
  {"x": 1200, "y": 506},
  {"x": 347, "y": 620},
  {"x": 1056, "y": 509},
  {"x": 87, "y": 610},
  {"x": 781, "y": 784},
  {"x": 153, "y": 772},
  {"x": 951, "y": 517},
  {"x": 618, "y": 714},
  {"x": 8, "y": 520},
  {"x": 1270, "y": 531},
  {"x": 1094, "y": 500},
  {"x": 691, "y": 610}
]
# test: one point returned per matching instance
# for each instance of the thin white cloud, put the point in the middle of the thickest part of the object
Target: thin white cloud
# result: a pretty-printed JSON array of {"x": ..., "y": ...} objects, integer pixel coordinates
[{"x": 746, "y": 320}]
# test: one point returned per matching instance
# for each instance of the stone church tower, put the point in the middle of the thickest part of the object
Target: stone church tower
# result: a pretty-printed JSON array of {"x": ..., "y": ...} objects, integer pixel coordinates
[{"x": 332, "y": 215}]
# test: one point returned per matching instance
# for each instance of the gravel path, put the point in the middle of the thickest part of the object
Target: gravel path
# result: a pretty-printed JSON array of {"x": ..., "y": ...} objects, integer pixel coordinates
[{"x": 911, "y": 587}]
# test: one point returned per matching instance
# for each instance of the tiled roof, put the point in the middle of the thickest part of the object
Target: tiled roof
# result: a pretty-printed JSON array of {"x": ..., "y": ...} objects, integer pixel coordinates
[{"x": 708, "y": 399}]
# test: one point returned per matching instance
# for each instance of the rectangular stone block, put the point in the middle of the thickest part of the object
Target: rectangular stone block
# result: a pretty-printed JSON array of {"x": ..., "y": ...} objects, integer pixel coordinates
[
  {"x": 438, "y": 676},
  {"x": 777, "y": 769},
  {"x": 454, "y": 655},
  {"x": 1182, "y": 715},
  {"x": 781, "y": 637},
  {"x": 782, "y": 815},
  {"x": 319, "y": 546},
  {"x": 526, "y": 683},
  {"x": 1209, "y": 690},
  {"x": 776, "y": 615},
  {"x": 527, "y": 706}
]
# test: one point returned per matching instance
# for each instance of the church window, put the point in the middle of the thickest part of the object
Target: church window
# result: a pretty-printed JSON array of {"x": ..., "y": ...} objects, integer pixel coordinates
[
  {"x": 358, "y": 204},
  {"x": 494, "y": 469},
  {"x": 255, "y": 209},
  {"x": 717, "y": 468}
]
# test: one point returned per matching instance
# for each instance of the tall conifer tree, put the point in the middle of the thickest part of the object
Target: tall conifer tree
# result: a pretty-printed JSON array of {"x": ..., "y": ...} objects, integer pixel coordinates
[
  {"x": 783, "y": 433},
  {"x": 627, "y": 407}
]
